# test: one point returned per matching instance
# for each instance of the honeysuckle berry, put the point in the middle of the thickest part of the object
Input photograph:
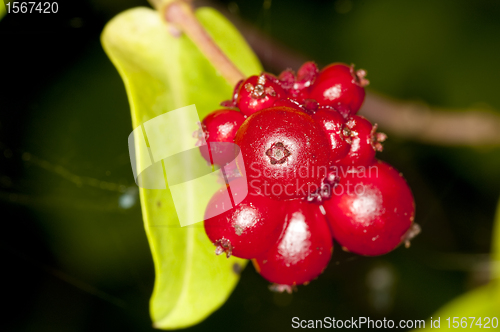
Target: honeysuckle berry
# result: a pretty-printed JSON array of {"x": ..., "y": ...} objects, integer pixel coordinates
[
  {"x": 258, "y": 92},
  {"x": 304, "y": 250},
  {"x": 220, "y": 126},
  {"x": 285, "y": 152},
  {"x": 340, "y": 86},
  {"x": 339, "y": 136},
  {"x": 364, "y": 142},
  {"x": 372, "y": 210},
  {"x": 249, "y": 229}
]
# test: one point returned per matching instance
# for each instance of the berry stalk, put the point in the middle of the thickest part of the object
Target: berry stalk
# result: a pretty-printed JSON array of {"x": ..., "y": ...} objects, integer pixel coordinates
[{"x": 181, "y": 15}]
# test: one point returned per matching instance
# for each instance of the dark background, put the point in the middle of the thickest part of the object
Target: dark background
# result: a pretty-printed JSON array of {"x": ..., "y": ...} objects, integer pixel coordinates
[{"x": 74, "y": 252}]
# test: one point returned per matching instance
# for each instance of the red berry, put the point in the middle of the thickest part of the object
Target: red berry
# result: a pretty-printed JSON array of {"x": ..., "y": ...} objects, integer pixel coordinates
[
  {"x": 284, "y": 152},
  {"x": 249, "y": 229},
  {"x": 364, "y": 140},
  {"x": 339, "y": 85},
  {"x": 371, "y": 211},
  {"x": 221, "y": 126},
  {"x": 334, "y": 126},
  {"x": 259, "y": 92},
  {"x": 304, "y": 250}
]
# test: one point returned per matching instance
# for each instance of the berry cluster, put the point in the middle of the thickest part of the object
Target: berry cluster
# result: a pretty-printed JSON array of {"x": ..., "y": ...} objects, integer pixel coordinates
[{"x": 311, "y": 174}]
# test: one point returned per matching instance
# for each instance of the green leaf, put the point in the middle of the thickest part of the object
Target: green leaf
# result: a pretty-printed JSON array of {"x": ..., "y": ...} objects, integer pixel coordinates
[
  {"x": 162, "y": 73},
  {"x": 481, "y": 302},
  {"x": 3, "y": 10}
]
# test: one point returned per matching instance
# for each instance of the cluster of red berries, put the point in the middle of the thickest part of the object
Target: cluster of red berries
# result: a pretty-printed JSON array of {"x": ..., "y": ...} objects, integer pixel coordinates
[{"x": 311, "y": 174}]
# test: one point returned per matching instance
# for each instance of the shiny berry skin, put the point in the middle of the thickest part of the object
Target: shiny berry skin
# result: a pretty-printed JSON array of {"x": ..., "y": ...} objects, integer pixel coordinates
[
  {"x": 284, "y": 152},
  {"x": 370, "y": 212},
  {"x": 249, "y": 229},
  {"x": 291, "y": 103},
  {"x": 258, "y": 92},
  {"x": 303, "y": 251},
  {"x": 364, "y": 142},
  {"x": 221, "y": 126},
  {"x": 335, "y": 128},
  {"x": 339, "y": 85}
]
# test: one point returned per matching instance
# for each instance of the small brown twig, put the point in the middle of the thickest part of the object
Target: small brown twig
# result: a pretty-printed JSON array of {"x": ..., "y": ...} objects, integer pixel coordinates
[
  {"x": 421, "y": 122},
  {"x": 180, "y": 14},
  {"x": 406, "y": 119}
]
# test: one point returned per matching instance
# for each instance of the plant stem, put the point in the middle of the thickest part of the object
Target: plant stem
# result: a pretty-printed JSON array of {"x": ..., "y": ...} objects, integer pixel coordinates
[
  {"x": 408, "y": 119},
  {"x": 181, "y": 14}
]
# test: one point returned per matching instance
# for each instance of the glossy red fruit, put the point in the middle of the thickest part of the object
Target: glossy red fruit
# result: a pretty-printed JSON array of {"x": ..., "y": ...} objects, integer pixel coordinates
[
  {"x": 303, "y": 251},
  {"x": 249, "y": 229},
  {"x": 308, "y": 106},
  {"x": 258, "y": 92},
  {"x": 284, "y": 152},
  {"x": 335, "y": 128},
  {"x": 371, "y": 211},
  {"x": 340, "y": 86},
  {"x": 221, "y": 126},
  {"x": 364, "y": 142}
]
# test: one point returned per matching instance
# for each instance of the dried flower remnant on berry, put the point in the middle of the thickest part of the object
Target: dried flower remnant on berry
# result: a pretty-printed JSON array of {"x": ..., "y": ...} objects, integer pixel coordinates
[
  {"x": 277, "y": 153},
  {"x": 223, "y": 246}
]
